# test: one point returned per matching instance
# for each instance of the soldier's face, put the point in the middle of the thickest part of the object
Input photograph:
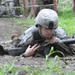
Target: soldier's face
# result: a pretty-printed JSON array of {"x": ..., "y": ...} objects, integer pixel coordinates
[{"x": 46, "y": 33}]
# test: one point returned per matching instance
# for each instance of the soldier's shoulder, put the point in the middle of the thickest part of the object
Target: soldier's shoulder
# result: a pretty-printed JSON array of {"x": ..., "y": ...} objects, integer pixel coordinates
[{"x": 60, "y": 32}]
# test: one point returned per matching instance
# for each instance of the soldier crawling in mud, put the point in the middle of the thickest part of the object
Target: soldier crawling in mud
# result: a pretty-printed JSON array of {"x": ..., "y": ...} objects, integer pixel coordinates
[{"x": 38, "y": 39}]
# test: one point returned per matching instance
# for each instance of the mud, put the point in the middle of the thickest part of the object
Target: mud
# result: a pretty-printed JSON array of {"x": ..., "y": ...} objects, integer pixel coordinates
[{"x": 8, "y": 28}]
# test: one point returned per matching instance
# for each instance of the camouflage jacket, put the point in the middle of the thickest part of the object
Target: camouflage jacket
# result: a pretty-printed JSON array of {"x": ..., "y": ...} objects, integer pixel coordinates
[{"x": 32, "y": 36}]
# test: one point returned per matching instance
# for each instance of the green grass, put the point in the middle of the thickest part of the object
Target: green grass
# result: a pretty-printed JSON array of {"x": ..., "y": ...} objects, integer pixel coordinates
[
  {"x": 24, "y": 22},
  {"x": 8, "y": 69},
  {"x": 67, "y": 20}
]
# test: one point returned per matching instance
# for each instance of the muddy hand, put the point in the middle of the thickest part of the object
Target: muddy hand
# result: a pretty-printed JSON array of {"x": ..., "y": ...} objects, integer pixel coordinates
[
  {"x": 52, "y": 40},
  {"x": 30, "y": 50}
]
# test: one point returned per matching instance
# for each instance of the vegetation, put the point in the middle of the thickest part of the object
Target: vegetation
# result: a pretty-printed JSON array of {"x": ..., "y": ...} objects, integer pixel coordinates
[
  {"x": 66, "y": 20},
  {"x": 24, "y": 22},
  {"x": 8, "y": 69}
]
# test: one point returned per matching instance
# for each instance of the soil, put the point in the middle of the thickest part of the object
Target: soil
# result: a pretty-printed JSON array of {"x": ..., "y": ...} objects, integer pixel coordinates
[{"x": 7, "y": 29}]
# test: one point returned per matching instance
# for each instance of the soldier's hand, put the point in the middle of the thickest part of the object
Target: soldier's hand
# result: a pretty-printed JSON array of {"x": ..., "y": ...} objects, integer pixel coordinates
[
  {"x": 30, "y": 50},
  {"x": 52, "y": 40}
]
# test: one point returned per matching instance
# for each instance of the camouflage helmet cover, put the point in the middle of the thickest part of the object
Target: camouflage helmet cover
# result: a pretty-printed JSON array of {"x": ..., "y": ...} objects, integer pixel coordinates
[{"x": 47, "y": 18}]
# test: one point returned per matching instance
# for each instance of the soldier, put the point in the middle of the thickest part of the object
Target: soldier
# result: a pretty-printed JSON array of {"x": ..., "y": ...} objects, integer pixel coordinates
[
  {"x": 43, "y": 2},
  {"x": 7, "y": 8},
  {"x": 40, "y": 38},
  {"x": 10, "y": 10},
  {"x": 17, "y": 10}
]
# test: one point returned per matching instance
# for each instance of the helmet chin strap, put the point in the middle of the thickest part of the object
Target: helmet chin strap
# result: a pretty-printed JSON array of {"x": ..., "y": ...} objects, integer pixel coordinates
[{"x": 40, "y": 28}]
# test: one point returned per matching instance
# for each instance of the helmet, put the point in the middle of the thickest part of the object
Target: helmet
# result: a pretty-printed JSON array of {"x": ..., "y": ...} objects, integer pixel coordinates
[{"x": 47, "y": 18}]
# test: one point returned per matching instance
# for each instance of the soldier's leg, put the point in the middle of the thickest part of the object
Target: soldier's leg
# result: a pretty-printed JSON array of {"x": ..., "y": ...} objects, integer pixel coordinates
[
  {"x": 38, "y": 2},
  {"x": 10, "y": 9},
  {"x": 2, "y": 10},
  {"x": 17, "y": 10}
]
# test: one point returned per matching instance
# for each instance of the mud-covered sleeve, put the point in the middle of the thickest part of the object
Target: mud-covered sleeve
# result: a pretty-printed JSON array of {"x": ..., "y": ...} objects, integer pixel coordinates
[
  {"x": 60, "y": 33},
  {"x": 27, "y": 37}
]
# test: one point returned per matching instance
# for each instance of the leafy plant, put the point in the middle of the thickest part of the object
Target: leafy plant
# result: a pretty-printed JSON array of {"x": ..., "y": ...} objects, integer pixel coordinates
[{"x": 52, "y": 52}]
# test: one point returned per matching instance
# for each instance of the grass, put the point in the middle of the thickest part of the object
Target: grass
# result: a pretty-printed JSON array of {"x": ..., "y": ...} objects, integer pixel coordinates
[
  {"x": 67, "y": 20},
  {"x": 24, "y": 22},
  {"x": 8, "y": 69}
]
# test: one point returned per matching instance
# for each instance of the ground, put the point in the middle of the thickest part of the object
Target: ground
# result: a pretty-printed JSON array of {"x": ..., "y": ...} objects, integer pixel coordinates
[{"x": 7, "y": 29}]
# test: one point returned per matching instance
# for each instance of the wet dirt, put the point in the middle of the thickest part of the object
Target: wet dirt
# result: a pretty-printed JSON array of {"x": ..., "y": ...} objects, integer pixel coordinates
[{"x": 7, "y": 29}]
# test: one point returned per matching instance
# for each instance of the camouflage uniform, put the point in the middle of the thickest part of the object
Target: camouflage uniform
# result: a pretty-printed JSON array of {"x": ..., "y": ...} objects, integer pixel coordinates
[
  {"x": 10, "y": 10},
  {"x": 6, "y": 7},
  {"x": 32, "y": 34}
]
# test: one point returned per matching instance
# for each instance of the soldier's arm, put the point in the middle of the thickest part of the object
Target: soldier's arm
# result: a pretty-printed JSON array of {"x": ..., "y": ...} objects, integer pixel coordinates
[{"x": 60, "y": 45}]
